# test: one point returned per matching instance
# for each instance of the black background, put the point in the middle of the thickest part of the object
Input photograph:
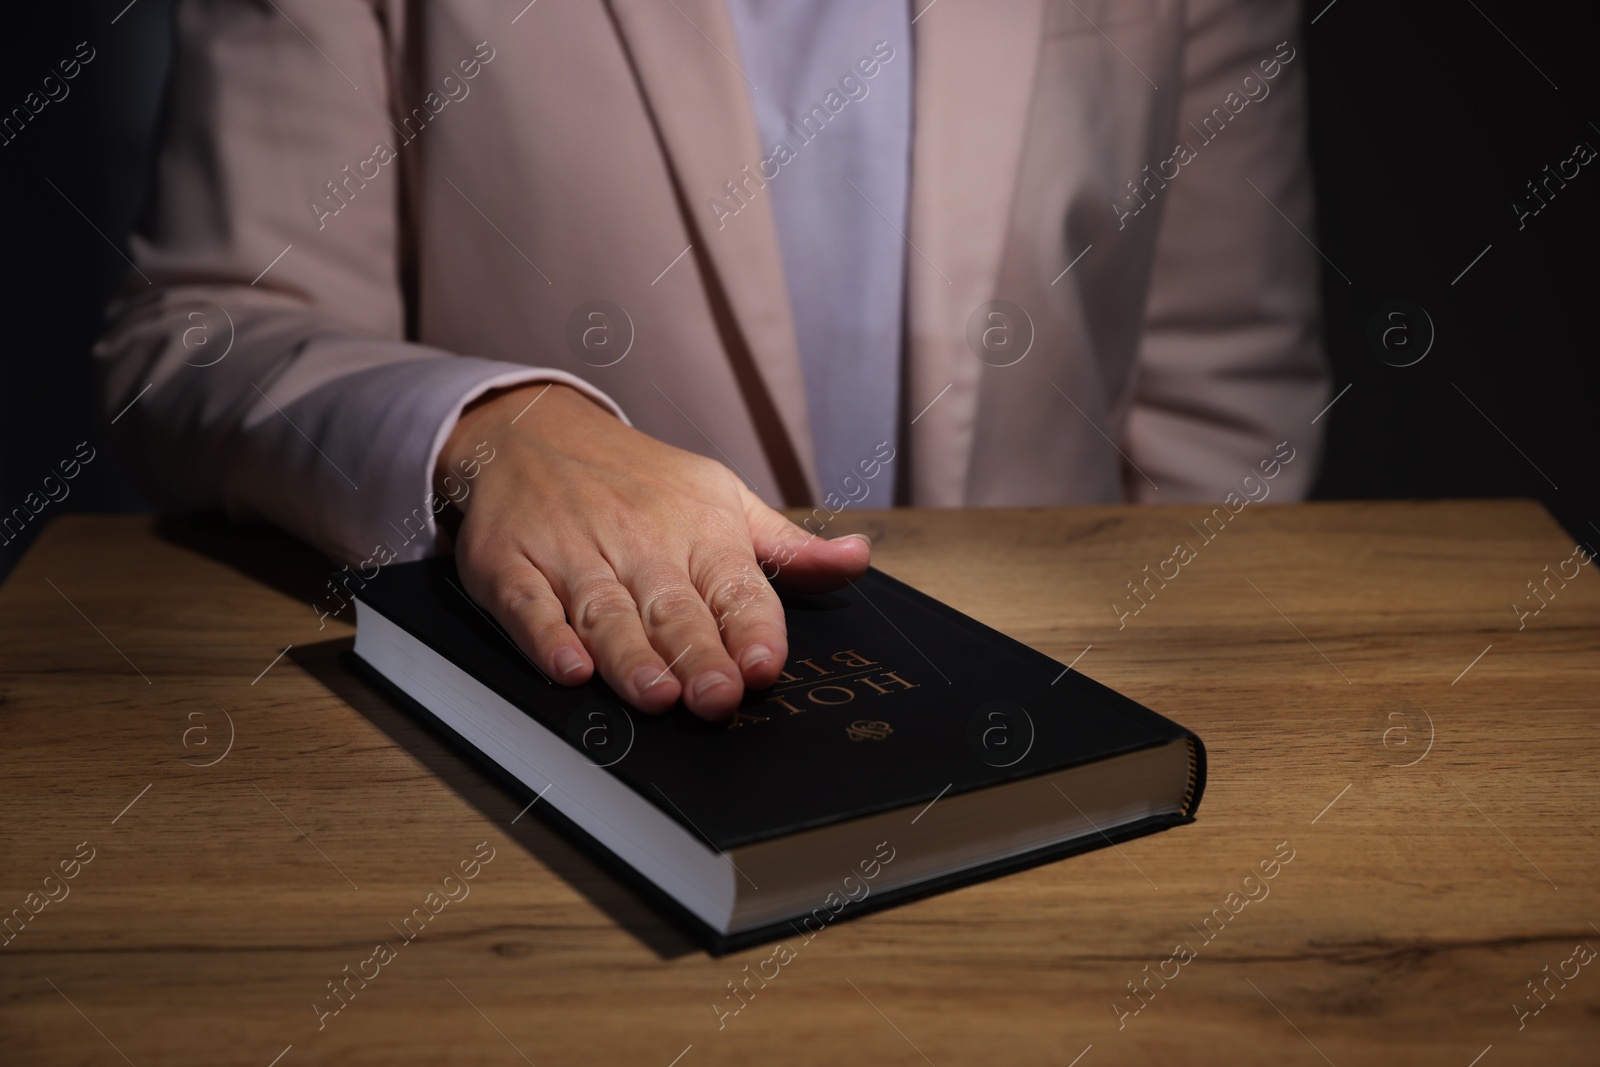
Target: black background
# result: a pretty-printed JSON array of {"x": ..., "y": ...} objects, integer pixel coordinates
[{"x": 1427, "y": 121}]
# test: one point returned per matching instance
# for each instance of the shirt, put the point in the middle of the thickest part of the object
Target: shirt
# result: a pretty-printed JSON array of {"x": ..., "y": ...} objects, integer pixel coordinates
[{"x": 830, "y": 85}]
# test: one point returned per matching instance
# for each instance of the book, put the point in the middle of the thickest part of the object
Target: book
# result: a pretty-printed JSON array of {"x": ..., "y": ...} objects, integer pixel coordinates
[{"x": 906, "y": 749}]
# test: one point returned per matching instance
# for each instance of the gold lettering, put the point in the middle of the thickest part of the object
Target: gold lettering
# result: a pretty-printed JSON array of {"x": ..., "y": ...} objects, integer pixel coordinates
[
  {"x": 849, "y": 694},
  {"x": 740, "y": 716},
  {"x": 855, "y": 659},
  {"x": 813, "y": 666},
  {"x": 779, "y": 700},
  {"x": 889, "y": 674}
]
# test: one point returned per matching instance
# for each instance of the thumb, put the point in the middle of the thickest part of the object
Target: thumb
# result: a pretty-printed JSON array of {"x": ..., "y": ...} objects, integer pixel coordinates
[{"x": 798, "y": 559}]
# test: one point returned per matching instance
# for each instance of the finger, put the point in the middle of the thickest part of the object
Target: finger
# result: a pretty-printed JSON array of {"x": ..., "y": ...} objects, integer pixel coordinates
[
  {"x": 605, "y": 616},
  {"x": 680, "y": 626},
  {"x": 747, "y": 610},
  {"x": 521, "y": 600},
  {"x": 798, "y": 559}
]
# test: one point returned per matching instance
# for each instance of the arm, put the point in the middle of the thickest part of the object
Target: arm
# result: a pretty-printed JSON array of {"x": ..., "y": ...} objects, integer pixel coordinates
[
  {"x": 1231, "y": 361},
  {"x": 598, "y": 548},
  {"x": 320, "y": 417}
]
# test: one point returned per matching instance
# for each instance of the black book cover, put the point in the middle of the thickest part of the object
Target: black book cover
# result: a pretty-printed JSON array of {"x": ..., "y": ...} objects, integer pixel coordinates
[{"x": 889, "y": 699}]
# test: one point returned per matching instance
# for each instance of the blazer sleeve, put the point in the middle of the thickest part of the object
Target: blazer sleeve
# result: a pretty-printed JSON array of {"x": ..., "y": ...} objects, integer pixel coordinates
[
  {"x": 1231, "y": 362},
  {"x": 257, "y": 358}
]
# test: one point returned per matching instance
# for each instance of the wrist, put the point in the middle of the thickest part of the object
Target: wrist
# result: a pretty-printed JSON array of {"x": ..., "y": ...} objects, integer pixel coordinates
[{"x": 485, "y": 422}]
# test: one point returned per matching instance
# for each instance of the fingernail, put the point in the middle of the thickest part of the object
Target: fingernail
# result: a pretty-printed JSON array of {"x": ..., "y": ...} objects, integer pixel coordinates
[
  {"x": 707, "y": 682},
  {"x": 754, "y": 656},
  {"x": 857, "y": 536},
  {"x": 568, "y": 661},
  {"x": 645, "y": 677}
]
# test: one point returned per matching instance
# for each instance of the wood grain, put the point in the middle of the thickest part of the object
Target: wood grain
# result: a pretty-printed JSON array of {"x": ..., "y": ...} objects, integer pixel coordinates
[{"x": 1443, "y": 824}]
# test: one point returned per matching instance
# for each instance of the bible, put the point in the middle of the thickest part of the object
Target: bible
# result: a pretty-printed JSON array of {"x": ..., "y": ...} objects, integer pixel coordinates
[{"x": 906, "y": 749}]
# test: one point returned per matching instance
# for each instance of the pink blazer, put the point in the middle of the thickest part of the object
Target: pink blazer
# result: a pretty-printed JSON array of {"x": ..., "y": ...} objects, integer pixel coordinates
[{"x": 370, "y": 211}]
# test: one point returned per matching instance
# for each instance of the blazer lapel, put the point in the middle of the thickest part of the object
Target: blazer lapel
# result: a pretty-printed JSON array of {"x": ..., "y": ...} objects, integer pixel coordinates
[
  {"x": 974, "y": 80},
  {"x": 686, "y": 57}
]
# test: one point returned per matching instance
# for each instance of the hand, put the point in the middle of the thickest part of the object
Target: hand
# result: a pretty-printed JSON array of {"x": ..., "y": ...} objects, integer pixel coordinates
[{"x": 598, "y": 547}]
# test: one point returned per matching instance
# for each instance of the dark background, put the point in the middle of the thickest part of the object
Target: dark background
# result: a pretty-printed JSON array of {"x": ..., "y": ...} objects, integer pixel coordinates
[{"x": 1427, "y": 121}]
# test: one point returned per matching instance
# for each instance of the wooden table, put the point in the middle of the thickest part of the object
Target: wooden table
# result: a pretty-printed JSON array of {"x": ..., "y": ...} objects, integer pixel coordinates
[{"x": 1356, "y": 670}]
